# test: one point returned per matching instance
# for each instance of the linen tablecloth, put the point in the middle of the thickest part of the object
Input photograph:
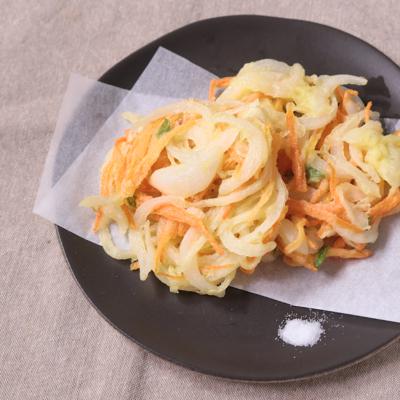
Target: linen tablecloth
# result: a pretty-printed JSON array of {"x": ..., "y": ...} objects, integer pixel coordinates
[{"x": 53, "y": 344}]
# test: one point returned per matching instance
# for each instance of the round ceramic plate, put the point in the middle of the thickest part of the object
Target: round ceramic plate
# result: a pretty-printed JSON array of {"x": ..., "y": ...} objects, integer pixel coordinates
[{"x": 236, "y": 336}]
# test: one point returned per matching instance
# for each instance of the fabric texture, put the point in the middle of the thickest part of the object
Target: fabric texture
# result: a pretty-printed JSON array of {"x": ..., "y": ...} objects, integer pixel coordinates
[{"x": 53, "y": 344}]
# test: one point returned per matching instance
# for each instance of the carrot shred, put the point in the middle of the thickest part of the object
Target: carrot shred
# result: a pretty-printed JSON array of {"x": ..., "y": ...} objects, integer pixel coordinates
[
  {"x": 120, "y": 140},
  {"x": 359, "y": 246},
  {"x": 112, "y": 171},
  {"x": 232, "y": 159},
  {"x": 382, "y": 187},
  {"x": 333, "y": 182},
  {"x": 339, "y": 92},
  {"x": 118, "y": 166},
  {"x": 181, "y": 215},
  {"x": 141, "y": 198},
  {"x": 217, "y": 84},
  {"x": 162, "y": 161},
  {"x": 147, "y": 189},
  {"x": 208, "y": 191},
  {"x": 319, "y": 211},
  {"x": 328, "y": 129},
  {"x": 367, "y": 111},
  {"x": 182, "y": 229},
  {"x": 104, "y": 179},
  {"x": 228, "y": 210},
  {"x": 323, "y": 230},
  {"x": 339, "y": 243},
  {"x": 312, "y": 243},
  {"x": 97, "y": 221},
  {"x": 346, "y": 95},
  {"x": 386, "y": 206},
  {"x": 284, "y": 163},
  {"x": 348, "y": 225},
  {"x": 346, "y": 153},
  {"x": 297, "y": 162},
  {"x": 128, "y": 132},
  {"x": 128, "y": 214},
  {"x": 348, "y": 253},
  {"x": 278, "y": 104},
  {"x": 247, "y": 271},
  {"x": 342, "y": 96},
  {"x": 166, "y": 231},
  {"x": 216, "y": 267},
  {"x": 134, "y": 266},
  {"x": 300, "y": 260},
  {"x": 313, "y": 222}
]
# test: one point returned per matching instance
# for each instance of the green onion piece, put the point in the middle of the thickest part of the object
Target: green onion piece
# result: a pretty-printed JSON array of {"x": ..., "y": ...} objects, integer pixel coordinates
[
  {"x": 314, "y": 175},
  {"x": 131, "y": 201},
  {"x": 164, "y": 127},
  {"x": 321, "y": 255}
]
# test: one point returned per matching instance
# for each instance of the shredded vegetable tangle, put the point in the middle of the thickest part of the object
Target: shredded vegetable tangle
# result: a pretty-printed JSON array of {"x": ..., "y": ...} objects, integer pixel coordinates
[{"x": 275, "y": 161}]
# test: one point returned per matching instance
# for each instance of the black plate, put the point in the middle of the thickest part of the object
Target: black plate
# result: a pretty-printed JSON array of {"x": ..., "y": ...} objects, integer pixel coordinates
[{"x": 235, "y": 337}]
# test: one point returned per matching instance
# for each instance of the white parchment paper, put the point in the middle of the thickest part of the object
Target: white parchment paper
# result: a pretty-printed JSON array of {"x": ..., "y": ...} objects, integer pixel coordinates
[
  {"x": 167, "y": 73},
  {"x": 86, "y": 106},
  {"x": 367, "y": 287}
]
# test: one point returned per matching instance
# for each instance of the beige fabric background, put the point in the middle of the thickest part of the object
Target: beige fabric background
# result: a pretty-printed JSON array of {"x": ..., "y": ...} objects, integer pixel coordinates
[{"x": 53, "y": 344}]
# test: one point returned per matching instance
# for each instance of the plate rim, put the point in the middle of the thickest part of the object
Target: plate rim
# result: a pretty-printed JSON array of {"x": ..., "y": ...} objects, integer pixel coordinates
[{"x": 234, "y": 16}]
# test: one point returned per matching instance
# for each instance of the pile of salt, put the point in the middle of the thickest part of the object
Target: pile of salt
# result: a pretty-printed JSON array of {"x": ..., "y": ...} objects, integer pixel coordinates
[{"x": 300, "y": 332}]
